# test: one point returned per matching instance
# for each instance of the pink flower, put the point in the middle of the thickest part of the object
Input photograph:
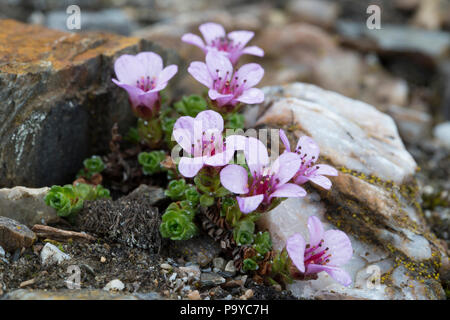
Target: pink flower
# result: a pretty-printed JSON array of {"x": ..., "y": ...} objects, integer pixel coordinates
[
  {"x": 143, "y": 76},
  {"x": 308, "y": 150},
  {"x": 232, "y": 44},
  {"x": 202, "y": 138},
  {"x": 326, "y": 251},
  {"x": 266, "y": 182},
  {"x": 228, "y": 88}
]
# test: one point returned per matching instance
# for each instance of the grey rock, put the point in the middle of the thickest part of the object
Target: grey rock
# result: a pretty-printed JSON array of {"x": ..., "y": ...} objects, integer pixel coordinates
[
  {"x": 15, "y": 236},
  {"x": 154, "y": 194},
  {"x": 2, "y": 252},
  {"x": 370, "y": 200},
  {"x": 58, "y": 101},
  {"x": 230, "y": 268},
  {"x": 50, "y": 254},
  {"x": 211, "y": 279},
  {"x": 26, "y": 205},
  {"x": 413, "y": 125},
  {"x": 219, "y": 264}
]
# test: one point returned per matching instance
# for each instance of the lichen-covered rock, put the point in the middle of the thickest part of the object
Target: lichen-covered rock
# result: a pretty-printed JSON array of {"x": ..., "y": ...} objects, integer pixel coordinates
[
  {"x": 374, "y": 198},
  {"x": 26, "y": 205},
  {"x": 58, "y": 101}
]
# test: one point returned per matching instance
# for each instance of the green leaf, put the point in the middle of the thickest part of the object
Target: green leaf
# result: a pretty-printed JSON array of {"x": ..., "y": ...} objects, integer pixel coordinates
[
  {"x": 249, "y": 265},
  {"x": 176, "y": 189},
  {"x": 243, "y": 232},
  {"x": 177, "y": 226},
  {"x": 235, "y": 121},
  {"x": 192, "y": 195},
  {"x": 151, "y": 161},
  {"x": 263, "y": 243},
  {"x": 190, "y": 106},
  {"x": 206, "y": 201}
]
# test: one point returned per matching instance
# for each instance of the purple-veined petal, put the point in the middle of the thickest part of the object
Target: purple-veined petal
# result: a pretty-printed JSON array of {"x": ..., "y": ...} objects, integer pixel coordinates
[
  {"x": 338, "y": 274},
  {"x": 235, "y": 179},
  {"x": 166, "y": 74},
  {"x": 285, "y": 167},
  {"x": 308, "y": 148},
  {"x": 249, "y": 75},
  {"x": 301, "y": 179},
  {"x": 149, "y": 99},
  {"x": 241, "y": 38},
  {"x": 295, "y": 246},
  {"x": 200, "y": 72},
  {"x": 256, "y": 155},
  {"x": 211, "y": 31},
  {"x": 339, "y": 245},
  {"x": 315, "y": 228},
  {"x": 183, "y": 133},
  {"x": 251, "y": 96},
  {"x": 219, "y": 65},
  {"x": 128, "y": 69},
  {"x": 210, "y": 120},
  {"x": 321, "y": 181},
  {"x": 189, "y": 167},
  {"x": 254, "y": 50},
  {"x": 151, "y": 63},
  {"x": 133, "y": 92},
  {"x": 324, "y": 169},
  {"x": 249, "y": 204},
  {"x": 214, "y": 95},
  {"x": 193, "y": 39},
  {"x": 285, "y": 141},
  {"x": 288, "y": 190}
]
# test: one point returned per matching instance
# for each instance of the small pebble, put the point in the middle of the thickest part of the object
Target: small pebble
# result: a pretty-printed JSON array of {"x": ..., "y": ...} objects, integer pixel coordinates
[
  {"x": 194, "y": 295},
  {"x": 219, "y": 264},
  {"x": 102, "y": 259},
  {"x": 247, "y": 295},
  {"x": 2, "y": 252},
  {"x": 166, "y": 266},
  {"x": 114, "y": 285},
  {"x": 230, "y": 268}
]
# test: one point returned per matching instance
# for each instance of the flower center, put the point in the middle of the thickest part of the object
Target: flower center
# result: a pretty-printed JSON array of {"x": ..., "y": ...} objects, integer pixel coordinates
[
  {"x": 317, "y": 254},
  {"x": 146, "y": 83},
  {"x": 229, "y": 84},
  {"x": 307, "y": 165},
  {"x": 263, "y": 184},
  {"x": 209, "y": 145},
  {"x": 224, "y": 44}
]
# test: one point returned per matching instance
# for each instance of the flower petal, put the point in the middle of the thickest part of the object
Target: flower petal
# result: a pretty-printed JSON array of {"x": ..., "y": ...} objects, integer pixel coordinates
[
  {"x": 339, "y": 245},
  {"x": 288, "y": 190},
  {"x": 324, "y": 169},
  {"x": 151, "y": 63},
  {"x": 133, "y": 92},
  {"x": 286, "y": 166},
  {"x": 234, "y": 178},
  {"x": 251, "y": 96},
  {"x": 256, "y": 155},
  {"x": 338, "y": 274},
  {"x": 166, "y": 74},
  {"x": 128, "y": 69},
  {"x": 149, "y": 99},
  {"x": 200, "y": 73},
  {"x": 315, "y": 228},
  {"x": 218, "y": 65},
  {"x": 211, "y": 31},
  {"x": 214, "y": 95},
  {"x": 241, "y": 38},
  {"x": 254, "y": 50},
  {"x": 193, "y": 39},
  {"x": 285, "y": 141},
  {"x": 249, "y": 204},
  {"x": 321, "y": 181},
  {"x": 249, "y": 75},
  {"x": 295, "y": 246},
  {"x": 308, "y": 148},
  {"x": 183, "y": 133},
  {"x": 210, "y": 120},
  {"x": 189, "y": 167}
]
